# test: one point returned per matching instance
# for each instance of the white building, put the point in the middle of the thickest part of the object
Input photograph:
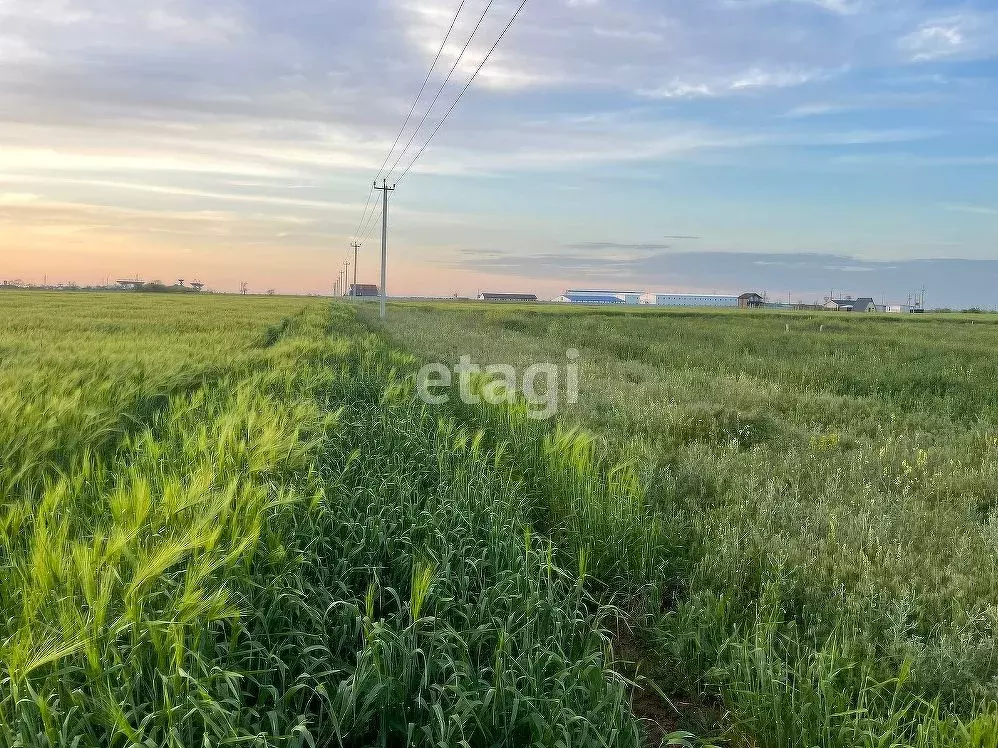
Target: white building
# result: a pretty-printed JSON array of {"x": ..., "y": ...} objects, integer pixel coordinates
[
  {"x": 688, "y": 299},
  {"x": 626, "y": 297}
]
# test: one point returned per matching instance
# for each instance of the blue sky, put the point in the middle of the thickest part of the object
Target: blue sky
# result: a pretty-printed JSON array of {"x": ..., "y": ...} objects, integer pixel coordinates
[{"x": 809, "y": 144}]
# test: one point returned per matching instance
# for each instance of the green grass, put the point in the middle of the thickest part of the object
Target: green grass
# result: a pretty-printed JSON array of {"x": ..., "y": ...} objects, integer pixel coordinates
[
  {"x": 813, "y": 538},
  {"x": 230, "y": 522}
]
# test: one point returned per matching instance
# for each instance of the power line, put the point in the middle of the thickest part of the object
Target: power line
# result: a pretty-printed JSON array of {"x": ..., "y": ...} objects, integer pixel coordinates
[
  {"x": 440, "y": 90},
  {"x": 463, "y": 90},
  {"x": 412, "y": 109},
  {"x": 367, "y": 226},
  {"x": 370, "y": 220},
  {"x": 372, "y": 229},
  {"x": 371, "y": 224},
  {"x": 364, "y": 214},
  {"x": 422, "y": 88}
]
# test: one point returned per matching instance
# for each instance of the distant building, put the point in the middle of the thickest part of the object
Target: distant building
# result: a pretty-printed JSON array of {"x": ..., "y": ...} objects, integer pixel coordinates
[
  {"x": 688, "y": 299},
  {"x": 624, "y": 297},
  {"x": 510, "y": 297},
  {"x": 364, "y": 290},
  {"x": 589, "y": 297},
  {"x": 751, "y": 300},
  {"x": 864, "y": 304}
]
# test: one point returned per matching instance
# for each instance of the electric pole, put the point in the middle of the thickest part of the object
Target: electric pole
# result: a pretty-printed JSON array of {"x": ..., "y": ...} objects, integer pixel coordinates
[
  {"x": 355, "y": 246},
  {"x": 346, "y": 278},
  {"x": 385, "y": 189}
]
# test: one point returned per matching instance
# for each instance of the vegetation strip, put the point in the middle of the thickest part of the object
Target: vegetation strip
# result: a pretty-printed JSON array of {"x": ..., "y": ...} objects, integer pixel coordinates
[
  {"x": 296, "y": 552},
  {"x": 781, "y": 485},
  {"x": 231, "y": 521}
]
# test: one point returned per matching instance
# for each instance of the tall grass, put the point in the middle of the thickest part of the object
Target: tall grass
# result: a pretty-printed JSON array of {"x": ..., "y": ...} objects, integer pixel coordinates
[
  {"x": 236, "y": 525},
  {"x": 230, "y": 521},
  {"x": 813, "y": 512}
]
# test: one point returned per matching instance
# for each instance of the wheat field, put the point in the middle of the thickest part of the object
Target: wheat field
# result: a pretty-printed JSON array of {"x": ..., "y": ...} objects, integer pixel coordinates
[
  {"x": 814, "y": 550},
  {"x": 231, "y": 521}
]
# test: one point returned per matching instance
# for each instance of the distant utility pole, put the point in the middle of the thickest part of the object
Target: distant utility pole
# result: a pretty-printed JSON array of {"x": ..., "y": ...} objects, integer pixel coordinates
[
  {"x": 355, "y": 246},
  {"x": 385, "y": 189},
  {"x": 346, "y": 278}
]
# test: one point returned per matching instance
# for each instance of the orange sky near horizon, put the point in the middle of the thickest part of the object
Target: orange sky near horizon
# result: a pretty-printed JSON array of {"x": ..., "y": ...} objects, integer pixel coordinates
[
  {"x": 88, "y": 257},
  {"x": 790, "y": 148}
]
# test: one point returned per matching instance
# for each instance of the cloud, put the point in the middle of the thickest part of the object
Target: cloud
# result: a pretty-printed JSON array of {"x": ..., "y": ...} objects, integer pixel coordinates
[
  {"x": 964, "y": 35},
  {"x": 841, "y": 7},
  {"x": 470, "y": 40},
  {"x": 616, "y": 247},
  {"x": 167, "y": 191},
  {"x": 15, "y": 51},
  {"x": 932, "y": 92},
  {"x": 17, "y": 198},
  {"x": 809, "y": 276},
  {"x": 748, "y": 80},
  {"x": 177, "y": 105},
  {"x": 263, "y": 89},
  {"x": 981, "y": 210},
  {"x": 917, "y": 160},
  {"x": 211, "y": 27},
  {"x": 670, "y": 49},
  {"x": 815, "y": 110}
]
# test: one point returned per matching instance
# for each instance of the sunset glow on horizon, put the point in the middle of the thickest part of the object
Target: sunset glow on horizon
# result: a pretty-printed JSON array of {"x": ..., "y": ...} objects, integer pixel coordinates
[{"x": 788, "y": 146}]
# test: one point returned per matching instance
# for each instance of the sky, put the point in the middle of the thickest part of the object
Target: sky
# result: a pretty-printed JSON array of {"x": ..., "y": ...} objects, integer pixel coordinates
[{"x": 797, "y": 148}]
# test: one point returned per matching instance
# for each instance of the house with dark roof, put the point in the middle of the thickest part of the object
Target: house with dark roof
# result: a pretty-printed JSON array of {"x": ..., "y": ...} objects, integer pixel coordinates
[
  {"x": 863, "y": 304},
  {"x": 364, "y": 290},
  {"x": 750, "y": 300}
]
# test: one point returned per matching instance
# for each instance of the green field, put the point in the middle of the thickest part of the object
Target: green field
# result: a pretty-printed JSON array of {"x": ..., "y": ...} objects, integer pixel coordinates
[{"x": 230, "y": 521}]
